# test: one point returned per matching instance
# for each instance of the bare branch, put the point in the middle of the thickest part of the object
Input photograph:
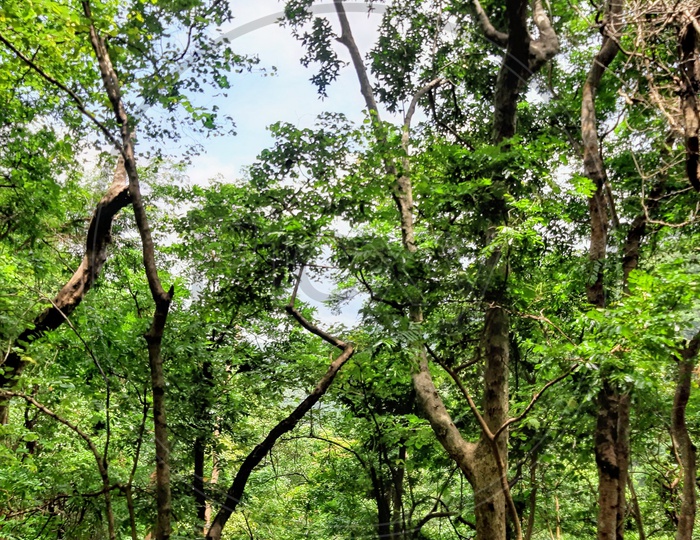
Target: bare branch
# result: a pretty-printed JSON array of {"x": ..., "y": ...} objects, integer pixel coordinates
[
  {"x": 414, "y": 102},
  {"x": 325, "y": 336},
  {"x": 347, "y": 39},
  {"x": 235, "y": 492},
  {"x": 535, "y": 399},
  {"x": 499, "y": 38}
]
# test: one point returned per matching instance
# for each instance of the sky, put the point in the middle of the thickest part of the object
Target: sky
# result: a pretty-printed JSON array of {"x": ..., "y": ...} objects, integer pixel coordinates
[{"x": 255, "y": 101}]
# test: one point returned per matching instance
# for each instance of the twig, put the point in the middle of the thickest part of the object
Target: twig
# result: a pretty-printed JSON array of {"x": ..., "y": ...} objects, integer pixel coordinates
[{"x": 534, "y": 400}]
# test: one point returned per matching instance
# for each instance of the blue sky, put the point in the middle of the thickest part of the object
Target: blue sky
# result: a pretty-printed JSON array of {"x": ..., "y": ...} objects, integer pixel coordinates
[{"x": 256, "y": 101}]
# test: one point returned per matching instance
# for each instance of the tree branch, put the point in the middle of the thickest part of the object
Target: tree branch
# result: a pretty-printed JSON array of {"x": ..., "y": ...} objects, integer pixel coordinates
[
  {"x": 100, "y": 460},
  {"x": 235, "y": 492},
  {"x": 534, "y": 400},
  {"x": 76, "y": 99},
  {"x": 72, "y": 293},
  {"x": 499, "y": 38}
]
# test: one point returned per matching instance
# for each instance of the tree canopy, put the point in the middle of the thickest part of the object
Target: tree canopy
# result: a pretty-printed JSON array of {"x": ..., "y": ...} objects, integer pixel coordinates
[{"x": 515, "y": 213}]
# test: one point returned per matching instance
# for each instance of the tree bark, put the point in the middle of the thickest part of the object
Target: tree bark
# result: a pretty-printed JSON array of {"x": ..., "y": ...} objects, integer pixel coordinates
[
  {"x": 611, "y": 452},
  {"x": 689, "y": 42},
  {"x": 397, "y": 478},
  {"x": 622, "y": 450},
  {"x": 71, "y": 295},
  {"x": 686, "y": 448},
  {"x": 607, "y": 462},
  {"x": 161, "y": 298},
  {"x": 206, "y": 383},
  {"x": 593, "y": 165},
  {"x": 383, "y": 507}
]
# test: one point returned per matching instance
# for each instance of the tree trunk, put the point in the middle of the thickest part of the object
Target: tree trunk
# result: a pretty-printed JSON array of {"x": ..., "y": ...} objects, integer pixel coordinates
[
  {"x": 200, "y": 499},
  {"x": 205, "y": 382},
  {"x": 383, "y": 508},
  {"x": 689, "y": 44},
  {"x": 607, "y": 462},
  {"x": 479, "y": 463},
  {"x": 686, "y": 448},
  {"x": 635, "y": 508},
  {"x": 397, "y": 477},
  {"x": 610, "y": 425},
  {"x": 161, "y": 298},
  {"x": 489, "y": 499},
  {"x": 532, "y": 502},
  {"x": 71, "y": 295},
  {"x": 622, "y": 450}
]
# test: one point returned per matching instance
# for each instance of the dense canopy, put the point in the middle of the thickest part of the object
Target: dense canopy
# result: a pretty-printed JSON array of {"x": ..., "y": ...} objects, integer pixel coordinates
[{"x": 510, "y": 233}]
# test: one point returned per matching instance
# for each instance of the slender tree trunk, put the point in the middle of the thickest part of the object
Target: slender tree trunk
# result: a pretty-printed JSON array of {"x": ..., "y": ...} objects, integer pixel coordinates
[
  {"x": 214, "y": 481},
  {"x": 532, "y": 500},
  {"x": 689, "y": 44},
  {"x": 635, "y": 508},
  {"x": 606, "y": 461},
  {"x": 608, "y": 426},
  {"x": 200, "y": 500},
  {"x": 383, "y": 508},
  {"x": 397, "y": 478},
  {"x": 205, "y": 383},
  {"x": 161, "y": 298},
  {"x": 686, "y": 449},
  {"x": 622, "y": 449}
]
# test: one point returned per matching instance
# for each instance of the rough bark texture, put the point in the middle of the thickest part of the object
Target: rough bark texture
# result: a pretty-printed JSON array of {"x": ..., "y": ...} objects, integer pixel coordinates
[
  {"x": 686, "y": 448},
  {"x": 622, "y": 450},
  {"x": 461, "y": 451},
  {"x": 235, "y": 492},
  {"x": 593, "y": 165},
  {"x": 161, "y": 298},
  {"x": 606, "y": 461},
  {"x": 689, "y": 44},
  {"x": 73, "y": 292},
  {"x": 611, "y": 444}
]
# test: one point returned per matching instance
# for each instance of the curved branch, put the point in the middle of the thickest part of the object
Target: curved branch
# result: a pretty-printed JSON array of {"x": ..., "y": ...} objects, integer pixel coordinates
[
  {"x": 497, "y": 37},
  {"x": 51, "y": 80},
  {"x": 100, "y": 460},
  {"x": 546, "y": 45},
  {"x": 72, "y": 293},
  {"x": 534, "y": 400},
  {"x": 325, "y": 336}
]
